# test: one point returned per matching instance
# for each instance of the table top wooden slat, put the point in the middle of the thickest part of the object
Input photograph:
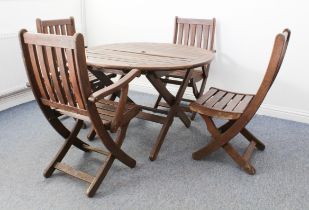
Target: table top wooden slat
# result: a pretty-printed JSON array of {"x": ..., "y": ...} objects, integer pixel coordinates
[{"x": 147, "y": 56}]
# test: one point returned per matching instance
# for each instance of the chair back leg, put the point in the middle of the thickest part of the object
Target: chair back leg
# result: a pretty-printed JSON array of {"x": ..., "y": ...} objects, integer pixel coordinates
[
  {"x": 250, "y": 137},
  {"x": 64, "y": 149}
]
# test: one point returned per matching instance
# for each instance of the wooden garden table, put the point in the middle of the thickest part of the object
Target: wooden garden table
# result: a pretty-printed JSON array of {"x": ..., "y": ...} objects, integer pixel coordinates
[{"x": 154, "y": 60}]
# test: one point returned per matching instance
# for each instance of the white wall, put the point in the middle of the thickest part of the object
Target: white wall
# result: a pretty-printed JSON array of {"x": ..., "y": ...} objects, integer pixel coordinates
[
  {"x": 244, "y": 38},
  {"x": 18, "y": 14}
]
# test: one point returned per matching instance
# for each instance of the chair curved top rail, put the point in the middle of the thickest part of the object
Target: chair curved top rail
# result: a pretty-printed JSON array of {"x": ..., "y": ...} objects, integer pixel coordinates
[
  {"x": 195, "y": 32},
  {"x": 57, "y": 26}
]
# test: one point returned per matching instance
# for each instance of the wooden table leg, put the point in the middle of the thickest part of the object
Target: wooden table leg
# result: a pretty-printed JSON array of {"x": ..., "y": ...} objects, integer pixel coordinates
[
  {"x": 175, "y": 110},
  {"x": 159, "y": 141},
  {"x": 183, "y": 117},
  {"x": 168, "y": 97}
]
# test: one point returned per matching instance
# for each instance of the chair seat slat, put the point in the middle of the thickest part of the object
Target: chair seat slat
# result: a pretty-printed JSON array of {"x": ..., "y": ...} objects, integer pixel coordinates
[
  {"x": 233, "y": 103},
  {"x": 224, "y": 101},
  {"x": 243, "y": 104},
  {"x": 206, "y": 96},
  {"x": 215, "y": 98},
  {"x": 113, "y": 103}
]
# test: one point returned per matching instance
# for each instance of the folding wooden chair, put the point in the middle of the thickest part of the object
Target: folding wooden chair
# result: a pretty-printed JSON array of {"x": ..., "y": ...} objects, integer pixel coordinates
[
  {"x": 238, "y": 109},
  {"x": 57, "y": 72},
  {"x": 66, "y": 27},
  {"x": 192, "y": 32}
]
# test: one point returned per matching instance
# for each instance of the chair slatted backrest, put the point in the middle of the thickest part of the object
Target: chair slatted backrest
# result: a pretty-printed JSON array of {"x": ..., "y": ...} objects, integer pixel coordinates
[
  {"x": 277, "y": 56},
  {"x": 55, "y": 66},
  {"x": 195, "y": 32},
  {"x": 59, "y": 26}
]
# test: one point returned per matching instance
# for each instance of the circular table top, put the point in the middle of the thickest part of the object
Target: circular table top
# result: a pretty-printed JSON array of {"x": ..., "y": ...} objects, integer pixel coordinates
[{"x": 147, "y": 56}]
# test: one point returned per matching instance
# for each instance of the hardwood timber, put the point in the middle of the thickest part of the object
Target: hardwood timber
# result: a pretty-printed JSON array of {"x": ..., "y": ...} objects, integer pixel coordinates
[
  {"x": 147, "y": 56},
  {"x": 197, "y": 33},
  {"x": 153, "y": 59},
  {"x": 66, "y": 27},
  {"x": 223, "y": 104},
  {"x": 73, "y": 172},
  {"x": 238, "y": 109},
  {"x": 151, "y": 117},
  {"x": 57, "y": 73}
]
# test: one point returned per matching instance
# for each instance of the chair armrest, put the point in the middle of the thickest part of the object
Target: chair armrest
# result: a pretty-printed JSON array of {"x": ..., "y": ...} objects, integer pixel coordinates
[{"x": 123, "y": 82}]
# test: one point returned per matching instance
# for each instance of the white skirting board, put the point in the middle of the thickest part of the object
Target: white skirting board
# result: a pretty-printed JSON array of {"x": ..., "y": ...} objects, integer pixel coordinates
[
  {"x": 15, "y": 98},
  {"x": 25, "y": 95},
  {"x": 284, "y": 113}
]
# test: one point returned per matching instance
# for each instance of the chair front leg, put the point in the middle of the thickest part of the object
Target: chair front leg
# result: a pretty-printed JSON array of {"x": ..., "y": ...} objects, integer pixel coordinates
[
  {"x": 214, "y": 144},
  {"x": 102, "y": 172},
  {"x": 65, "y": 133},
  {"x": 240, "y": 160}
]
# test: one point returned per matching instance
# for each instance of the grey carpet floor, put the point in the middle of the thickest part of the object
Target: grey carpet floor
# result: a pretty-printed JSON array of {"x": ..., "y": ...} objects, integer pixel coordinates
[{"x": 173, "y": 181}]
